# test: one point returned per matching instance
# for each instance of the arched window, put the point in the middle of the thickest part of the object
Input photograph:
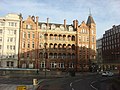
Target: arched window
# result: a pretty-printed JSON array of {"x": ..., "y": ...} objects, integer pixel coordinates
[
  {"x": 64, "y": 46},
  {"x": 55, "y": 55},
  {"x": 73, "y": 38},
  {"x": 55, "y": 46},
  {"x": 40, "y": 55},
  {"x": 60, "y": 36},
  {"x": 59, "y": 55},
  {"x": 45, "y": 45},
  {"x": 51, "y": 55},
  {"x": 64, "y": 56},
  {"x": 69, "y": 46},
  {"x": 73, "y": 47},
  {"x": 64, "y": 36},
  {"x": 60, "y": 46},
  {"x": 73, "y": 56},
  {"x": 69, "y": 56},
  {"x": 51, "y": 36},
  {"x": 69, "y": 38},
  {"x": 55, "y": 37},
  {"x": 50, "y": 45}
]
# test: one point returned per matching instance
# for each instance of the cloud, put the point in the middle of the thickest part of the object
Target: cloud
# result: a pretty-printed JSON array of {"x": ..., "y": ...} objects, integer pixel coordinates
[{"x": 105, "y": 12}]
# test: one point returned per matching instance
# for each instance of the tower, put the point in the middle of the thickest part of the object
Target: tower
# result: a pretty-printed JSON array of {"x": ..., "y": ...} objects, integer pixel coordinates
[{"x": 86, "y": 43}]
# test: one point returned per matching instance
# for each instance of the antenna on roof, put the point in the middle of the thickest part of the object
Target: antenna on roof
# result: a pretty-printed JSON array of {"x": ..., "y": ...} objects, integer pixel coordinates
[{"x": 90, "y": 12}]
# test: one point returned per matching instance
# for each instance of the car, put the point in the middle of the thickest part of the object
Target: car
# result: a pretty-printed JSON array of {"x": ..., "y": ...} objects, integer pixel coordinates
[{"x": 107, "y": 73}]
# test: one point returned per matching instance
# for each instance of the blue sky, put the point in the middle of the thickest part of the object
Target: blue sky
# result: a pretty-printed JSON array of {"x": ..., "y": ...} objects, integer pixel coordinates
[{"x": 106, "y": 13}]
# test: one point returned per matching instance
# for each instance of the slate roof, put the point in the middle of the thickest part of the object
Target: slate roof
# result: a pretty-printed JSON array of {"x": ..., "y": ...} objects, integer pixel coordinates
[{"x": 90, "y": 20}]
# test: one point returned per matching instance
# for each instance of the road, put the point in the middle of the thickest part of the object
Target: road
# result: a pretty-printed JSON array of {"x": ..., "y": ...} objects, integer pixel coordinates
[
  {"x": 71, "y": 83},
  {"x": 79, "y": 82},
  {"x": 84, "y": 82}
]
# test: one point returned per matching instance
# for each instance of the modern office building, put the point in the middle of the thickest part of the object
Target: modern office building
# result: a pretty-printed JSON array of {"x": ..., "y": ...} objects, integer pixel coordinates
[
  {"x": 99, "y": 53},
  {"x": 52, "y": 46},
  {"x": 9, "y": 40},
  {"x": 111, "y": 48}
]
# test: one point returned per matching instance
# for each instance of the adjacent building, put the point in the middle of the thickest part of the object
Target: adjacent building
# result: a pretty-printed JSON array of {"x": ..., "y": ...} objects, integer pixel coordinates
[
  {"x": 111, "y": 48},
  {"x": 52, "y": 46},
  {"x": 99, "y": 58},
  {"x": 9, "y": 40}
]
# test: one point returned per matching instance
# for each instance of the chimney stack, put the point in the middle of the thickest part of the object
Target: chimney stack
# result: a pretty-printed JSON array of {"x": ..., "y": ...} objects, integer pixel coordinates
[
  {"x": 74, "y": 24},
  {"x": 47, "y": 23},
  {"x": 37, "y": 22},
  {"x": 37, "y": 19},
  {"x": 65, "y": 23}
]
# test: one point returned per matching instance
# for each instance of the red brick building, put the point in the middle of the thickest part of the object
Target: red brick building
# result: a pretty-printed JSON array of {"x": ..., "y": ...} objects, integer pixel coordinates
[{"x": 57, "y": 46}]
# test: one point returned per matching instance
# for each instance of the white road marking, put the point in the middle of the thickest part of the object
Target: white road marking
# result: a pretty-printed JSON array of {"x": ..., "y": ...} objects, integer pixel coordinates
[
  {"x": 74, "y": 82},
  {"x": 93, "y": 86}
]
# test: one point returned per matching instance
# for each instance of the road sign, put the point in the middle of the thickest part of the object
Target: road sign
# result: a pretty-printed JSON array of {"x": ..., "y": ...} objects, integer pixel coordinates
[{"x": 21, "y": 88}]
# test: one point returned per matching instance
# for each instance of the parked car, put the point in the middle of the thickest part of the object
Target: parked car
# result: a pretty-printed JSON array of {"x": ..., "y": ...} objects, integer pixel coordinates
[{"x": 107, "y": 73}]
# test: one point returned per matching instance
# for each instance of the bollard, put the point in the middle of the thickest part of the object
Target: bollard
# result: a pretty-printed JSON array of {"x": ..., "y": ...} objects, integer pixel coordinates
[{"x": 35, "y": 82}]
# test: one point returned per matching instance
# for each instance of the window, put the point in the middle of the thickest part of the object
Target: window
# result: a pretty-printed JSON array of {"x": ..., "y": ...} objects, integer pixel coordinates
[
  {"x": 7, "y": 63},
  {"x": 93, "y": 39},
  {"x": 53, "y": 27},
  {"x": 14, "y": 47},
  {"x": 24, "y": 35},
  {"x": 12, "y": 64},
  {"x": 28, "y": 45},
  {"x": 0, "y": 46},
  {"x": 29, "y": 26},
  {"x": 53, "y": 65},
  {"x": 70, "y": 28},
  {"x": 14, "y": 31},
  {"x": 28, "y": 55},
  {"x": 33, "y": 35},
  {"x": 23, "y": 45},
  {"x": 92, "y": 31},
  {"x": 41, "y": 35},
  {"x": 2, "y": 23},
  {"x": 42, "y": 64},
  {"x": 61, "y": 65},
  {"x": 12, "y": 24},
  {"x": 11, "y": 39},
  {"x": 0, "y": 39},
  {"x": 28, "y": 34},
  {"x": 43, "y": 26},
  {"x": 0, "y": 31},
  {"x": 62, "y": 27},
  {"x": 33, "y": 45},
  {"x": 7, "y": 46},
  {"x": 87, "y": 39}
]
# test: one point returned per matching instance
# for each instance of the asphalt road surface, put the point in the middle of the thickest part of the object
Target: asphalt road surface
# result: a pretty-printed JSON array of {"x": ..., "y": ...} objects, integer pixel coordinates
[
  {"x": 84, "y": 82},
  {"x": 80, "y": 82}
]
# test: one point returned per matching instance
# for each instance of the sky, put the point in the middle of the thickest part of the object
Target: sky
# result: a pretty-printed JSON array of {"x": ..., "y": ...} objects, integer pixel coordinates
[{"x": 105, "y": 13}]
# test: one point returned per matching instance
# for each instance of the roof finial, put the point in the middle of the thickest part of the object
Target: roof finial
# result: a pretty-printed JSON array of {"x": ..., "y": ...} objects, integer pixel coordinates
[{"x": 90, "y": 12}]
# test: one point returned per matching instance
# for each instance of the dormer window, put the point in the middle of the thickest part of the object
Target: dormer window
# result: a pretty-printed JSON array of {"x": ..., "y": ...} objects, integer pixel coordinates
[
  {"x": 43, "y": 26},
  {"x": 70, "y": 28},
  {"x": 53, "y": 27},
  {"x": 62, "y": 27},
  {"x": 29, "y": 26}
]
